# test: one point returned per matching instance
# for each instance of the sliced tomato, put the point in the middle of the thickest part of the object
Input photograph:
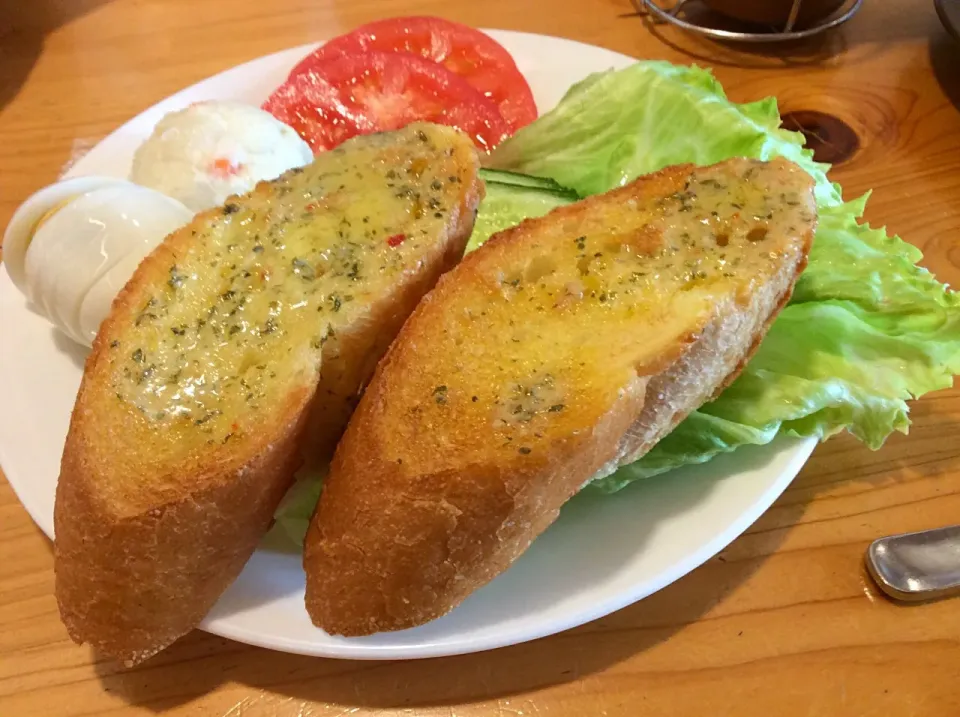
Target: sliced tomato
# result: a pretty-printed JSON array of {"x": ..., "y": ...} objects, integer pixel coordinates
[
  {"x": 377, "y": 91},
  {"x": 476, "y": 57}
]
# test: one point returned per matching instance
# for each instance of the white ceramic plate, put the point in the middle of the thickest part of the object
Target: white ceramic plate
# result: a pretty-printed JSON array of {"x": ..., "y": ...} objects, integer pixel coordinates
[{"x": 601, "y": 555}]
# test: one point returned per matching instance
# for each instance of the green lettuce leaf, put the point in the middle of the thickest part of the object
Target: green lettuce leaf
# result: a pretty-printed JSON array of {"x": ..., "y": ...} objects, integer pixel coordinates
[
  {"x": 620, "y": 124},
  {"x": 865, "y": 331},
  {"x": 292, "y": 517}
]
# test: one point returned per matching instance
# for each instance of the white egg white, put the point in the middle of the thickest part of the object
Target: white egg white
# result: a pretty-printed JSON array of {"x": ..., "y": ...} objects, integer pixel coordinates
[
  {"x": 98, "y": 300},
  {"x": 84, "y": 241},
  {"x": 19, "y": 232},
  {"x": 211, "y": 150}
]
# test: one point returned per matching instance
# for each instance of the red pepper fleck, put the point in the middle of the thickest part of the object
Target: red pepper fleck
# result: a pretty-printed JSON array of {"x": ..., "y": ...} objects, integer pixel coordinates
[
  {"x": 396, "y": 239},
  {"x": 311, "y": 206},
  {"x": 234, "y": 427},
  {"x": 223, "y": 167}
]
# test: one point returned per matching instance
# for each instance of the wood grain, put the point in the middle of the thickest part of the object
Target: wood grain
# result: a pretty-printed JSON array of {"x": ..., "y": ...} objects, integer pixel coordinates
[{"x": 784, "y": 622}]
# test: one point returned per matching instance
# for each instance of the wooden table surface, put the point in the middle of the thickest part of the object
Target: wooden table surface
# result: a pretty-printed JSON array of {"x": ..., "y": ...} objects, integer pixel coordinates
[{"x": 783, "y": 622}]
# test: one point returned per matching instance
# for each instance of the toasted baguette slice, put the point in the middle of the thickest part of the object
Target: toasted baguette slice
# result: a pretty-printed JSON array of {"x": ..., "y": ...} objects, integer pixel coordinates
[
  {"x": 560, "y": 349},
  {"x": 188, "y": 424}
]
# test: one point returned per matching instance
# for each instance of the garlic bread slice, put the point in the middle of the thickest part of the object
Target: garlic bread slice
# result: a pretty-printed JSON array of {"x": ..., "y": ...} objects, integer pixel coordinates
[
  {"x": 558, "y": 350},
  {"x": 243, "y": 339}
]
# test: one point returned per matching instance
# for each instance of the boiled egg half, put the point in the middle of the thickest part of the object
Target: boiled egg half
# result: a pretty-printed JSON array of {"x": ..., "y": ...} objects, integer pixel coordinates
[{"x": 72, "y": 246}]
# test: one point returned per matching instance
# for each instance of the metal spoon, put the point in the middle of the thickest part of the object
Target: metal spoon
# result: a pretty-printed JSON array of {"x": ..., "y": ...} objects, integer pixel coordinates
[{"x": 917, "y": 566}]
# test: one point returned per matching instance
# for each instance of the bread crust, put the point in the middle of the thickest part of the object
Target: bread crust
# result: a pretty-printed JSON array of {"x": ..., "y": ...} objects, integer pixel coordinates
[
  {"x": 144, "y": 545},
  {"x": 409, "y": 523}
]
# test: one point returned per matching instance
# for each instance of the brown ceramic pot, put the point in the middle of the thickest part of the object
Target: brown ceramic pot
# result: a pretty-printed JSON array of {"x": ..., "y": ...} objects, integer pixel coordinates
[{"x": 775, "y": 12}]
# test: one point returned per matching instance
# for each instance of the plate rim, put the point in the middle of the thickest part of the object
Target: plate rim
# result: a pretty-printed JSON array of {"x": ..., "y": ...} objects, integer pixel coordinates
[{"x": 799, "y": 454}]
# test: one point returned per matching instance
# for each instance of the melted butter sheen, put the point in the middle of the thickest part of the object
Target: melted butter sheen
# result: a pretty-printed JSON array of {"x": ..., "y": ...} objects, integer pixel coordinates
[
  {"x": 271, "y": 276},
  {"x": 597, "y": 297}
]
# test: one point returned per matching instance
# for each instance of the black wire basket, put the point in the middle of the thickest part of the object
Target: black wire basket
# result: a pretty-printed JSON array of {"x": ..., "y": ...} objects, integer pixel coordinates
[{"x": 679, "y": 14}]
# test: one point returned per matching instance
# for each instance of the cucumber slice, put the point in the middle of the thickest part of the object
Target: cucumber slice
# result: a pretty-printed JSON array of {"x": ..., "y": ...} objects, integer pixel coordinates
[
  {"x": 514, "y": 179},
  {"x": 507, "y": 205}
]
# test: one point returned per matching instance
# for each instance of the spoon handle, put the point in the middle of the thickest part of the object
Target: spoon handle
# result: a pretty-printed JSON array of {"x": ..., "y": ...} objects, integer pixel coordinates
[{"x": 917, "y": 566}]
